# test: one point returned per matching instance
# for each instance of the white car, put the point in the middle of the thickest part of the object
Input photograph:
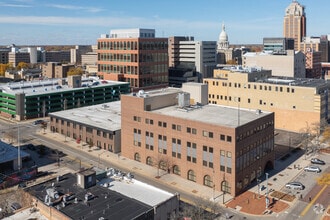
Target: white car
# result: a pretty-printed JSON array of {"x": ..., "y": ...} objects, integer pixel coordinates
[
  {"x": 295, "y": 185},
  {"x": 313, "y": 169}
]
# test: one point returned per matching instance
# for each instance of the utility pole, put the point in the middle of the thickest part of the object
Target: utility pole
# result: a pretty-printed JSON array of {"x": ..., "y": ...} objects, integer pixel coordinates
[
  {"x": 267, "y": 199},
  {"x": 19, "y": 164}
]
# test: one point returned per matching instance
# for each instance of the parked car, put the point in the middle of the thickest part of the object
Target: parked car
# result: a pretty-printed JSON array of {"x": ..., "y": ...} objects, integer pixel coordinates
[
  {"x": 317, "y": 161},
  {"x": 37, "y": 122},
  {"x": 295, "y": 185},
  {"x": 313, "y": 169}
]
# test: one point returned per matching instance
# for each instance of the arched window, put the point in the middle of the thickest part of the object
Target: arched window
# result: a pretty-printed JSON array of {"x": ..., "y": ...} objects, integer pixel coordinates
[
  {"x": 163, "y": 165},
  {"x": 208, "y": 181},
  {"x": 225, "y": 187},
  {"x": 176, "y": 170},
  {"x": 137, "y": 157},
  {"x": 191, "y": 175},
  {"x": 149, "y": 161}
]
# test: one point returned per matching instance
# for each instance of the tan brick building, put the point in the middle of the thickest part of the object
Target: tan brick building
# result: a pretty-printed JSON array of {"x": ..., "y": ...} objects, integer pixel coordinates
[
  {"x": 220, "y": 147},
  {"x": 298, "y": 103},
  {"x": 135, "y": 56}
]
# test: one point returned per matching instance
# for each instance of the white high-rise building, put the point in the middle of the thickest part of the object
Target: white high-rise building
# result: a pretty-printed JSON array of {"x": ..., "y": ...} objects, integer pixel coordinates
[{"x": 201, "y": 54}]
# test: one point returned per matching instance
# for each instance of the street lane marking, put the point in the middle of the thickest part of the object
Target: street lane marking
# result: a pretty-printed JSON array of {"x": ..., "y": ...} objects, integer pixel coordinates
[{"x": 312, "y": 202}]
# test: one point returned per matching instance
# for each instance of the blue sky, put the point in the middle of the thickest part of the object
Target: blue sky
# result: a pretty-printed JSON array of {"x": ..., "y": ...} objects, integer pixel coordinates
[{"x": 40, "y": 22}]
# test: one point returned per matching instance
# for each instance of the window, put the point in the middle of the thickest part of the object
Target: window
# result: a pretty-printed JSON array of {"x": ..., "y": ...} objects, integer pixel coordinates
[
  {"x": 149, "y": 140},
  {"x": 194, "y": 131},
  {"x": 137, "y": 137},
  {"x": 149, "y": 161},
  {"x": 176, "y": 127},
  {"x": 162, "y": 144},
  {"x": 98, "y": 133},
  {"x": 188, "y": 130},
  {"x": 137, "y": 157},
  {"x": 136, "y": 118},
  {"x": 163, "y": 165},
  {"x": 228, "y": 138},
  {"x": 176, "y": 148},
  {"x": 191, "y": 152},
  {"x": 225, "y": 187},
  {"x": 191, "y": 176},
  {"x": 176, "y": 170},
  {"x": 222, "y": 160},
  {"x": 222, "y": 137},
  {"x": 208, "y": 156},
  {"x": 205, "y": 133},
  {"x": 208, "y": 181}
]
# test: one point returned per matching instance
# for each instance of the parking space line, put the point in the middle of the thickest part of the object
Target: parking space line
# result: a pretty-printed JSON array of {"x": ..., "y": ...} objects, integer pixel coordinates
[{"x": 313, "y": 201}]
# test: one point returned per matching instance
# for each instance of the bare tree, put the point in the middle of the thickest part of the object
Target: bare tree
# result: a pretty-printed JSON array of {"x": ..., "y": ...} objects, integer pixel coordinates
[{"x": 199, "y": 209}]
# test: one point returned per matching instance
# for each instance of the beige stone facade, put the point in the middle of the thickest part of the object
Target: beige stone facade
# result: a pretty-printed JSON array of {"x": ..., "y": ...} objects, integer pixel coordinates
[
  {"x": 288, "y": 64},
  {"x": 208, "y": 144},
  {"x": 297, "y": 103}
]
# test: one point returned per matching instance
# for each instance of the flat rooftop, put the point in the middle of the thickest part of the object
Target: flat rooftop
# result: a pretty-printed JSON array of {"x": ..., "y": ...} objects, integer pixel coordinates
[
  {"x": 135, "y": 189},
  {"x": 106, "y": 203},
  {"x": 51, "y": 86},
  {"x": 10, "y": 153},
  {"x": 106, "y": 116},
  {"x": 214, "y": 114}
]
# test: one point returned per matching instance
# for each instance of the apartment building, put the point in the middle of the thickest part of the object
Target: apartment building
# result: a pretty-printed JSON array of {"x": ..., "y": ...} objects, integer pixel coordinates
[
  {"x": 135, "y": 56},
  {"x": 56, "y": 70},
  {"x": 4, "y": 55},
  {"x": 220, "y": 147},
  {"x": 298, "y": 103},
  {"x": 287, "y": 63},
  {"x": 16, "y": 57}
]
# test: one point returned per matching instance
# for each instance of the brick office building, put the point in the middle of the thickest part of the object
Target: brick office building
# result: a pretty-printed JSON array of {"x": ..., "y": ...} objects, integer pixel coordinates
[
  {"x": 135, "y": 56},
  {"x": 221, "y": 147}
]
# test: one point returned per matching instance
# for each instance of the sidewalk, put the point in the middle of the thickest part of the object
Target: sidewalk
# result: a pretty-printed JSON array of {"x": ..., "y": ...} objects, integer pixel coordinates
[
  {"x": 140, "y": 169},
  {"x": 253, "y": 201},
  {"x": 248, "y": 202}
]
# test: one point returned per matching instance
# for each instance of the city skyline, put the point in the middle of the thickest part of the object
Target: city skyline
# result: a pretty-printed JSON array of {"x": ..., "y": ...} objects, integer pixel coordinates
[{"x": 34, "y": 22}]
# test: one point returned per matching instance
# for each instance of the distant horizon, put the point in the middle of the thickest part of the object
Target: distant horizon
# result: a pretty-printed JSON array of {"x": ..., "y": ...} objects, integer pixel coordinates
[{"x": 36, "y": 22}]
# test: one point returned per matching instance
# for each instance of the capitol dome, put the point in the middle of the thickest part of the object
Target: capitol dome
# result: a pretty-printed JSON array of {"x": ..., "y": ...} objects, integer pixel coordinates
[{"x": 223, "y": 37}]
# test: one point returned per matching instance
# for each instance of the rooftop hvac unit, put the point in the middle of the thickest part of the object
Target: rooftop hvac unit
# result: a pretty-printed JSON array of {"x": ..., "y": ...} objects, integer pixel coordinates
[{"x": 184, "y": 99}]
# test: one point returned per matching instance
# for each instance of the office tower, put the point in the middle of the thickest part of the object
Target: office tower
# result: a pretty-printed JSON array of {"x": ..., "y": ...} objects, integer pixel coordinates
[
  {"x": 294, "y": 25},
  {"x": 135, "y": 56}
]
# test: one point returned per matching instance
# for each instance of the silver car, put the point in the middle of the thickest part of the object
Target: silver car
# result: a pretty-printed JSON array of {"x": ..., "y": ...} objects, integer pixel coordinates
[
  {"x": 295, "y": 185},
  {"x": 313, "y": 169}
]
